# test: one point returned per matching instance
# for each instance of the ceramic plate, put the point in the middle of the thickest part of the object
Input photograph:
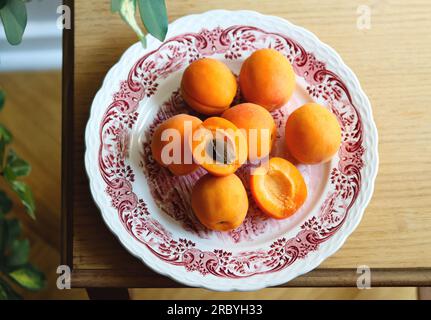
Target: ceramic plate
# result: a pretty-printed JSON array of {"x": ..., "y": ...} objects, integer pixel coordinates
[{"x": 149, "y": 210}]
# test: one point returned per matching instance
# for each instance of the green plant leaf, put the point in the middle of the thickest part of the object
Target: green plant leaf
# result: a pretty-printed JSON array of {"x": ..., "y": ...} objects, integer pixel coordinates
[
  {"x": 116, "y": 5},
  {"x": 154, "y": 17},
  {"x": 17, "y": 166},
  {"x": 2, "y": 98},
  {"x": 12, "y": 232},
  {"x": 18, "y": 253},
  {"x": 3, "y": 292},
  {"x": 8, "y": 174},
  {"x": 3, "y": 237},
  {"x": 5, "y": 139},
  {"x": 2, "y": 151},
  {"x": 127, "y": 9},
  {"x": 5, "y": 134},
  {"x": 28, "y": 277},
  {"x": 14, "y": 17},
  {"x": 5, "y": 204},
  {"x": 2, "y": 3},
  {"x": 7, "y": 293},
  {"x": 10, "y": 229},
  {"x": 24, "y": 193}
]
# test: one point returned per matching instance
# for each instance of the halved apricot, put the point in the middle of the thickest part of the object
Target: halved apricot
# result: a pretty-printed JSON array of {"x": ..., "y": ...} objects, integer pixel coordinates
[
  {"x": 278, "y": 188},
  {"x": 219, "y": 146}
]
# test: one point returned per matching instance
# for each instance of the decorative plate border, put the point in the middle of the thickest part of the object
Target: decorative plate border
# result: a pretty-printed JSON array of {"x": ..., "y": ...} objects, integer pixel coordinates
[{"x": 346, "y": 179}]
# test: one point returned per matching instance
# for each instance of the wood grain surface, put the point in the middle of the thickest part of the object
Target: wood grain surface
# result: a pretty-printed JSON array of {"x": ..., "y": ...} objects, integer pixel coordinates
[
  {"x": 32, "y": 112},
  {"x": 393, "y": 63}
]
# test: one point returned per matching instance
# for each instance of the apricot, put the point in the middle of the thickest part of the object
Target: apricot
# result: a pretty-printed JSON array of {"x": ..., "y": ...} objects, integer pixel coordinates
[
  {"x": 313, "y": 134},
  {"x": 163, "y": 147},
  {"x": 259, "y": 127},
  {"x": 220, "y": 203},
  {"x": 208, "y": 86},
  {"x": 278, "y": 188},
  {"x": 219, "y": 146},
  {"x": 267, "y": 79}
]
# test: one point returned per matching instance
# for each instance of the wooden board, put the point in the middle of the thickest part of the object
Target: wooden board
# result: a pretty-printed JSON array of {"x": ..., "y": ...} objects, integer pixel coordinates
[{"x": 393, "y": 62}]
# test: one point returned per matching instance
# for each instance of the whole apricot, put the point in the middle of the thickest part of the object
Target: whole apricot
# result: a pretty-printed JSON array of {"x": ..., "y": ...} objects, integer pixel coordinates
[
  {"x": 313, "y": 134},
  {"x": 267, "y": 79},
  {"x": 168, "y": 147},
  {"x": 208, "y": 86},
  {"x": 220, "y": 203},
  {"x": 259, "y": 127}
]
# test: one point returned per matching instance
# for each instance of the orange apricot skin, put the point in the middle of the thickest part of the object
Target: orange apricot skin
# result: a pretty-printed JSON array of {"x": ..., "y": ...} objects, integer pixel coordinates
[
  {"x": 208, "y": 86},
  {"x": 216, "y": 123},
  {"x": 248, "y": 116},
  {"x": 298, "y": 189},
  {"x": 220, "y": 203},
  {"x": 313, "y": 134},
  {"x": 157, "y": 145},
  {"x": 267, "y": 79}
]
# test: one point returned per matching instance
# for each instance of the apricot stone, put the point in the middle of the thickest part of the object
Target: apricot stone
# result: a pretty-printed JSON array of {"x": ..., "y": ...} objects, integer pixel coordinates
[
  {"x": 208, "y": 86},
  {"x": 259, "y": 127},
  {"x": 267, "y": 79},
  {"x": 178, "y": 123},
  {"x": 219, "y": 146},
  {"x": 313, "y": 134},
  {"x": 220, "y": 203}
]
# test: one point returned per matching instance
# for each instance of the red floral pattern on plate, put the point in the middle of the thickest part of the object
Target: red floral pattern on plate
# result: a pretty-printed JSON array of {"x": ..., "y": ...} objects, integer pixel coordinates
[{"x": 143, "y": 82}]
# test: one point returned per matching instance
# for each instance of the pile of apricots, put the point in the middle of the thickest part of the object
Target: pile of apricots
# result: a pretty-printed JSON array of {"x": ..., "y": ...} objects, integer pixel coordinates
[{"x": 227, "y": 139}]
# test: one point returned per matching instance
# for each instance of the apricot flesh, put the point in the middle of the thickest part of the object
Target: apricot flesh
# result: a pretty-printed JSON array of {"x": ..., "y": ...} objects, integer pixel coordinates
[
  {"x": 279, "y": 190},
  {"x": 219, "y": 146},
  {"x": 208, "y": 86},
  {"x": 259, "y": 126},
  {"x": 313, "y": 134},
  {"x": 185, "y": 165},
  {"x": 220, "y": 203},
  {"x": 267, "y": 79}
]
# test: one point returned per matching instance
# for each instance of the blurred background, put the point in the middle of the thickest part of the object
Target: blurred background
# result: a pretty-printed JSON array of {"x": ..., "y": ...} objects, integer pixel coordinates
[{"x": 30, "y": 75}]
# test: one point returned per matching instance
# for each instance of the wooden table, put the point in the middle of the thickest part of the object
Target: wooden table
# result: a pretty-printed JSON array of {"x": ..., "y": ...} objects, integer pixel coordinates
[{"x": 392, "y": 61}]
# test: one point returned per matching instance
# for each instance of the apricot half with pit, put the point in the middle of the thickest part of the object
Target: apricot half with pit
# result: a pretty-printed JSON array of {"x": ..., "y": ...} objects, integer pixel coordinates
[
  {"x": 313, "y": 134},
  {"x": 170, "y": 147},
  {"x": 219, "y": 146},
  {"x": 267, "y": 79},
  {"x": 258, "y": 125},
  {"x": 220, "y": 203},
  {"x": 278, "y": 188},
  {"x": 208, "y": 86}
]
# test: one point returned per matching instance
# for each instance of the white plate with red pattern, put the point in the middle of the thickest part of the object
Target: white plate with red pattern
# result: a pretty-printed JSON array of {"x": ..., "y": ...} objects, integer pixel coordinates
[{"x": 149, "y": 210}]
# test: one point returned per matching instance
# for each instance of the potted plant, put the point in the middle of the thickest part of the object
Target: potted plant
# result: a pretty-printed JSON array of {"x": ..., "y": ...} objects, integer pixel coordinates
[{"x": 15, "y": 268}]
